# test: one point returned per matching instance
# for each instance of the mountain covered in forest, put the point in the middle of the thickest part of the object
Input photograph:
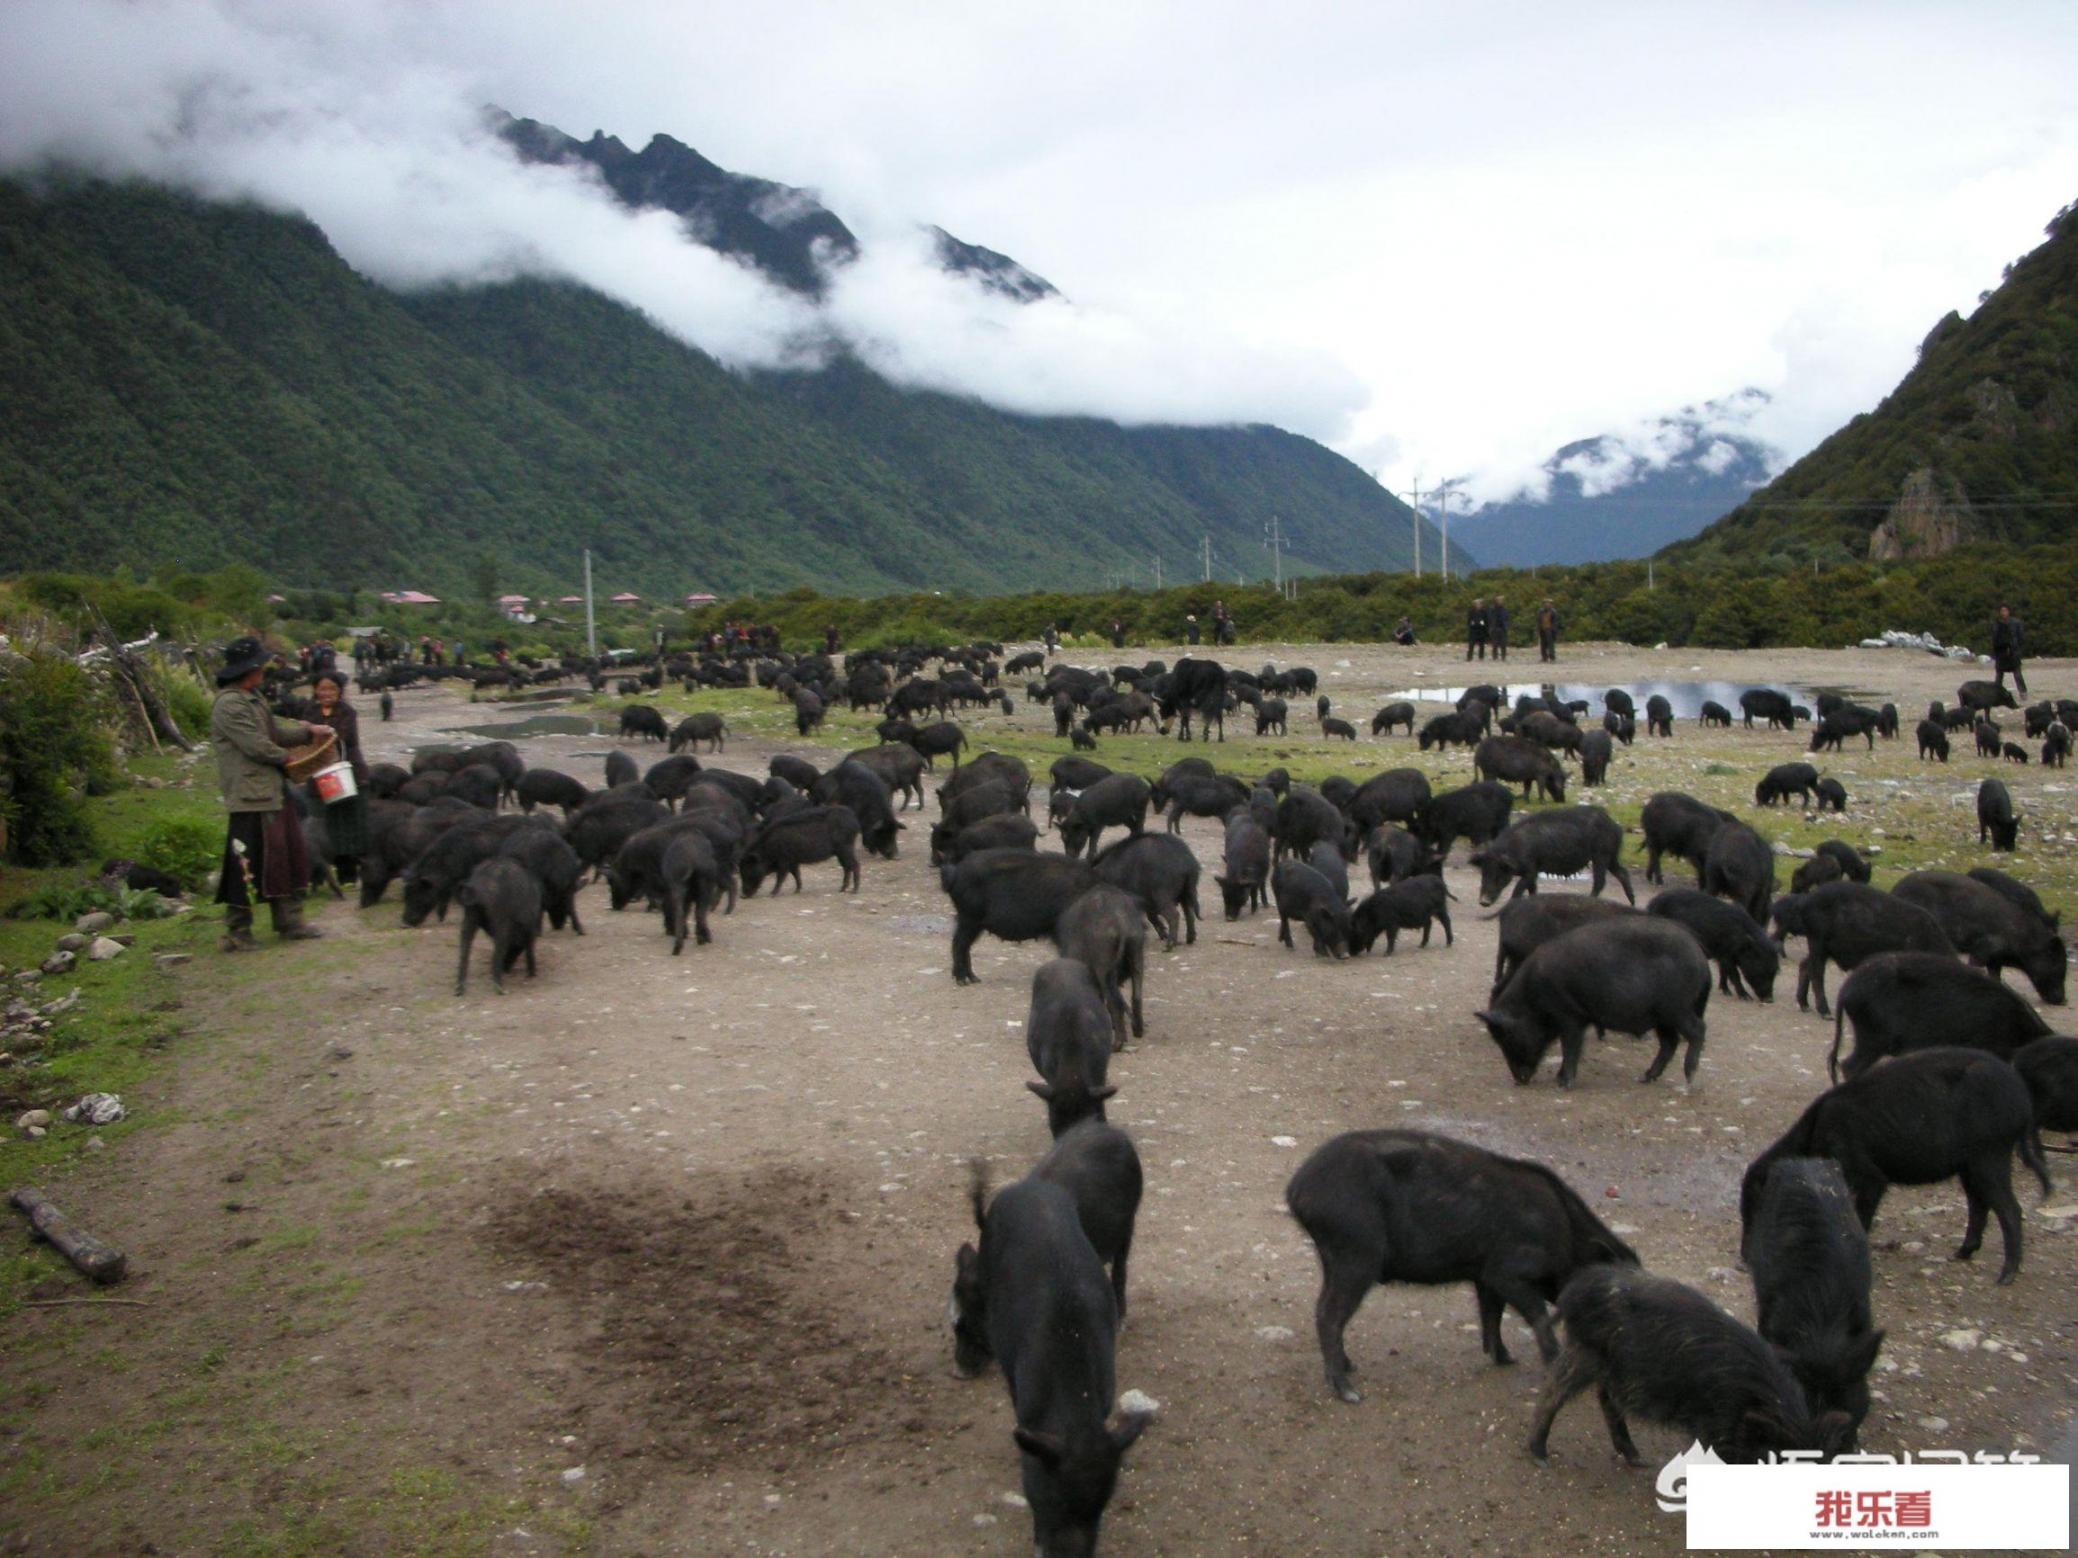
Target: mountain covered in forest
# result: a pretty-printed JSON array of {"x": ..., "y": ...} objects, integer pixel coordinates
[
  {"x": 1625, "y": 495},
  {"x": 198, "y": 383},
  {"x": 1978, "y": 443}
]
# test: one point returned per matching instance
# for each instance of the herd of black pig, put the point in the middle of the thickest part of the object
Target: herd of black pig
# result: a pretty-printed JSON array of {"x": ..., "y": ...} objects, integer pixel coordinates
[{"x": 1971, "y": 1071}]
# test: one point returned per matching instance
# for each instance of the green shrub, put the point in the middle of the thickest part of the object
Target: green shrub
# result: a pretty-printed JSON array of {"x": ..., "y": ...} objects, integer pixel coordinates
[
  {"x": 188, "y": 703},
  {"x": 69, "y": 900},
  {"x": 185, "y": 848},
  {"x": 53, "y": 744}
]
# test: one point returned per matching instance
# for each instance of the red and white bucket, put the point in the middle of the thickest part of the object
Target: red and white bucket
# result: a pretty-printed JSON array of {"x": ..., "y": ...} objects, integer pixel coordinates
[{"x": 335, "y": 783}]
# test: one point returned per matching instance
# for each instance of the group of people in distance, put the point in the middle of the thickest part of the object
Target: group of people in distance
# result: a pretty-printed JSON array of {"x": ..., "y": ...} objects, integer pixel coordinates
[{"x": 1486, "y": 627}]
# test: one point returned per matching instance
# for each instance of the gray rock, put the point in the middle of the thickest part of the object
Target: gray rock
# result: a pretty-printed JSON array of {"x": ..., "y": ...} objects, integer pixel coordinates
[
  {"x": 103, "y": 949},
  {"x": 172, "y": 959},
  {"x": 60, "y": 962},
  {"x": 33, "y": 1120},
  {"x": 91, "y": 924},
  {"x": 71, "y": 941}
]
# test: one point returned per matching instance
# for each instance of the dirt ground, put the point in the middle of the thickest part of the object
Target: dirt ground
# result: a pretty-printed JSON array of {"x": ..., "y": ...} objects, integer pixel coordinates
[{"x": 650, "y": 1255}]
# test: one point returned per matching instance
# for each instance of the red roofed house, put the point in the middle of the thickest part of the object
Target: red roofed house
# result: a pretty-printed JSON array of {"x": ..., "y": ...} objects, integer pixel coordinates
[
  {"x": 626, "y": 598},
  {"x": 700, "y": 600}
]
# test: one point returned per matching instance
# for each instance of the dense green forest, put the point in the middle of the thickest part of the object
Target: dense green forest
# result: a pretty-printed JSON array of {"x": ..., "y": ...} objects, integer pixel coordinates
[
  {"x": 1953, "y": 597},
  {"x": 201, "y": 384},
  {"x": 1979, "y": 440}
]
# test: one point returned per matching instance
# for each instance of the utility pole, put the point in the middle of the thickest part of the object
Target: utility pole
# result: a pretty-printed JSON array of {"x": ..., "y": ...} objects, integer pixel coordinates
[
  {"x": 1414, "y": 502},
  {"x": 1158, "y": 572},
  {"x": 1442, "y": 495},
  {"x": 1208, "y": 559},
  {"x": 591, "y": 637},
  {"x": 1277, "y": 552}
]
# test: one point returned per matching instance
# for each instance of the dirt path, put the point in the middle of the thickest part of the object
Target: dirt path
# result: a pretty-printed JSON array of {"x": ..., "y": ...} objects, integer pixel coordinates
[{"x": 687, "y": 1224}]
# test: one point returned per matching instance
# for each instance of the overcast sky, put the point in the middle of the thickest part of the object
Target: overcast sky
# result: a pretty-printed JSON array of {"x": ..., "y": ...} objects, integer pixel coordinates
[{"x": 1444, "y": 239}]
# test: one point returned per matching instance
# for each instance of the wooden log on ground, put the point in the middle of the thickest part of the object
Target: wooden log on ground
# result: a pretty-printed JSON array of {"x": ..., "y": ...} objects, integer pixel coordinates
[{"x": 102, "y": 1262}]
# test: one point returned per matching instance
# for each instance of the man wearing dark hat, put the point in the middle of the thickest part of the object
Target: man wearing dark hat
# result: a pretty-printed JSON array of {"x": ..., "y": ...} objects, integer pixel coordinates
[{"x": 264, "y": 853}]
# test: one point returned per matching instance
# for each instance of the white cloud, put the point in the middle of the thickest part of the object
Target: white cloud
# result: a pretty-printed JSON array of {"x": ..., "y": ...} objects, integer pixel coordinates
[{"x": 1447, "y": 239}]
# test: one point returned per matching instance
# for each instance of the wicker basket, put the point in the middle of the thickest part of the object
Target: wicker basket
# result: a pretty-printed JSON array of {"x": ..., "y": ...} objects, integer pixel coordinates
[{"x": 307, "y": 760}]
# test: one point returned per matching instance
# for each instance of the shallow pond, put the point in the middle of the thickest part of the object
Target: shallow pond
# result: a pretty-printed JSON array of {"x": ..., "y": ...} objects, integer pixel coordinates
[{"x": 1687, "y": 698}]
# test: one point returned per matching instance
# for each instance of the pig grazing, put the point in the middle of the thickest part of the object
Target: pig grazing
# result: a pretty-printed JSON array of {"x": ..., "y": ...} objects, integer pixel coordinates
[
  {"x": 1995, "y": 819},
  {"x": 639, "y": 719},
  {"x": 1784, "y": 780},
  {"x": 1922, "y": 1118},
  {"x": 1664, "y": 1352},
  {"x": 1678, "y": 825},
  {"x": 1016, "y": 894},
  {"x": 1990, "y": 928},
  {"x": 1475, "y": 812},
  {"x": 1202, "y": 795},
  {"x": 1304, "y": 818},
  {"x": 1554, "y": 843},
  {"x": 555, "y": 866},
  {"x": 2014, "y": 752},
  {"x": 782, "y": 846},
  {"x": 502, "y": 899},
  {"x": 1106, "y": 931},
  {"x": 1034, "y": 1297},
  {"x": 1407, "y": 1206},
  {"x": 620, "y": 770},
  {"x": 1162, "y": 873},
  {"x": 1303, "y": 894},
  {"x": 1730, "y": 937},
  {"x": 2050, "y": 1069},
  {"x": 1848, "y": 923},
  {"x": 1810, "y": 1259},
  {"x": 1099, "y": 1167},
  {"x": 1409, "y": 905},
  {"x": 1519, "y": 760},
  {"x": 1397, "y": 795},
  {"x": 1740, "y": 866},
  {"x": 1394, "y": 855},
  {"x": 1659, "y": 716},
  {"x": 1527, "y": 923},
  {"x": 1244, "y": 866},
  {"x": 1012, "y": 830},
  {"x": 1979, "y": 696},
  {"x": 1831, "y": 793},
  {"x": 1903, "y": 1001},
  {"x": 1118, "y": 800},
  {"x": 1625, "y": 975},
  {"x": 1068, "y": 1036},
  {"x": 1617, "y": 701},
  {"x": 863, "y": 791},
  {"x": 1714, "y": 713},
  {"x": 1393, "y": 714},
  {"x": 1987, "y": 735},
  {"x": 2014, "y": 891},
  {"x": 1767, "y": 704},
  {"x": 546, "y": 787},
  {"x": 1446, "y": 730},
  {"x": 1840, "y": 725},
  {"x": 1595, "y": 752}
]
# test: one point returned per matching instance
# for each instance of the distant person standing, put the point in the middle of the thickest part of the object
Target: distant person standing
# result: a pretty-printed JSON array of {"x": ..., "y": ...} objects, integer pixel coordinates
[
  {"x": 1052, "y": 639},
  {"x": 1403, "y": 631},
  {"x": 1547, "y": 632},
  {"x": 1475, "y": 630},
  {"x": 1118, "y": 634},
  {"x": 1190, "y": 627},
  {"x": 2006, "y": 636},
  {"x": 1497, "y": 627}
]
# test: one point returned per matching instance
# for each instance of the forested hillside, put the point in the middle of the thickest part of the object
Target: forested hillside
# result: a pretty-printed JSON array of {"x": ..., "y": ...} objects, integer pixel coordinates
[
  {"x": 202, "y": 384},
  {"x": 1979, "y": 442}
]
